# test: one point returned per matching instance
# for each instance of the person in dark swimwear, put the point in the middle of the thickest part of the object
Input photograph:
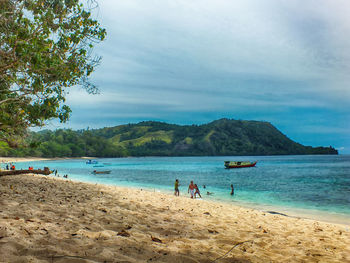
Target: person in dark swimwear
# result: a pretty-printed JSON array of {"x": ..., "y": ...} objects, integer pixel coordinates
[
  {"x": 177, "y": 192},
  {"x": 232, "y": 190},
  {"x": 196, "y": 191}
]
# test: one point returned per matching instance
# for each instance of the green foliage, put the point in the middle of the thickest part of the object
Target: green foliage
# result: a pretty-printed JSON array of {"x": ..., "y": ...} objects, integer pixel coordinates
[
  {"x": 4, "y": 149},
  {"x": 45, "y": 48},
  {"x": 222, "y": 137}
]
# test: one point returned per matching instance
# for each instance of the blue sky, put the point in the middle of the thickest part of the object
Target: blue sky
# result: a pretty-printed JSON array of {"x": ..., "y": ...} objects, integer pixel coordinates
[{"x": 194, "y": 61}]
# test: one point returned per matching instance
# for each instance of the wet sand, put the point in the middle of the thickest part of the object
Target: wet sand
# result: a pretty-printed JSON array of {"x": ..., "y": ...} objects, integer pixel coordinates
[{"x": 45, "y": 219}]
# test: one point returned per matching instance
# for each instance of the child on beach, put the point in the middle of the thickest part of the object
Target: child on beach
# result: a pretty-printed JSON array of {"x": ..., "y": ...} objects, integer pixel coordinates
[
  {"x": 177, "y": 192},
  {"x": 191, "y": 189},
  {"x": 197, "y": 191}
]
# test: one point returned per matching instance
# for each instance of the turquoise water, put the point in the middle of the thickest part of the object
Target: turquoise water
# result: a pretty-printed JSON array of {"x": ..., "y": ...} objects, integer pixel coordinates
[{"x": 311, "y": 183}]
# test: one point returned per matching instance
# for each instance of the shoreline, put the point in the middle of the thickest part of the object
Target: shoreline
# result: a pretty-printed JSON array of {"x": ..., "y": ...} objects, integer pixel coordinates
[
  {"x": 36, "y": 159},
  {"x": 22, "y": 159},
  {"x": 294, "y": 212},
  {"x": 308, "y": 214},
  {"x": 305, "y": 213},
  {"x": 60, "y": 219}
]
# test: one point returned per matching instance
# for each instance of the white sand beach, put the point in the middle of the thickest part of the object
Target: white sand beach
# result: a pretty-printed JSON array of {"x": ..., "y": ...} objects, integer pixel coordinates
[
  {"x": 45, "y": 219},
  {"x": 34, "y": 159},
  {"x": 21, "y": 159}
]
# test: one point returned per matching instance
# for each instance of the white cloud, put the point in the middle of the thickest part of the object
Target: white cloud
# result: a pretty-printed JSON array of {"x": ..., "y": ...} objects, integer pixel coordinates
[{"x": 246, "y": 56}]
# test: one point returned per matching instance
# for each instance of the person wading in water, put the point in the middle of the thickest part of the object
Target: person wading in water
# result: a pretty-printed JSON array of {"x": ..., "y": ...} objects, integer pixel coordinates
[
  {"x": 191, "y": 189},
  {"x": 177, "y": 192}
]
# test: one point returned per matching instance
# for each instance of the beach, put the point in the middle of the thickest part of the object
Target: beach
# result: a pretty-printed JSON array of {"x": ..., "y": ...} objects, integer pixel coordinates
[
  {"x": 21, "y": 159},
  {"x": 46, "y": 219},
  {"x": 33, "y": 159}
]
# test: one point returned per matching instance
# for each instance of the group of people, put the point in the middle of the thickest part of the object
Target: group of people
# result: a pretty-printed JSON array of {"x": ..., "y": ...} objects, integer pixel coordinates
[
  {"x": 11, "y": 167},
  {"x": 193, "y": 189},
  {"x": 56, "y": 174}
]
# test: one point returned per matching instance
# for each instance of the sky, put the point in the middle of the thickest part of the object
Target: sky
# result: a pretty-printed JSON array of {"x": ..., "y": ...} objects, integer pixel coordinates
[{"x": 286, "y": 62}]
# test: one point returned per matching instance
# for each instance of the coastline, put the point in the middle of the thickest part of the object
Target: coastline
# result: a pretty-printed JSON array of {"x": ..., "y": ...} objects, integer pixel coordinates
[
  {"x": 36, "y": 159},
  {"x": 52, "y": 219},
  {"x": 305, "y": 213},
  {"x": 23, "y": 159}
]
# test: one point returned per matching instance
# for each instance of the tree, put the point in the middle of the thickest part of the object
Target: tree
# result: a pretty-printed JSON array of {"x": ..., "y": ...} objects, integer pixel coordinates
[{"x": 45, "y": 48}]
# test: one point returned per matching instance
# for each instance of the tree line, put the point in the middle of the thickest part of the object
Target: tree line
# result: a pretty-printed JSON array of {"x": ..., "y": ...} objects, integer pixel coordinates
[{"x": 221, "y": 137}]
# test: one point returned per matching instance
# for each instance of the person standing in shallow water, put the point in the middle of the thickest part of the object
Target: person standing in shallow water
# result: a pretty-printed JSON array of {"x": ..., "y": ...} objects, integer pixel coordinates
[
  {"x": 197, "y": 191},
  {"x": 191, "y": 189},
  {"x": 232, "y": 190},
  {"x": 177, "y": 192}
]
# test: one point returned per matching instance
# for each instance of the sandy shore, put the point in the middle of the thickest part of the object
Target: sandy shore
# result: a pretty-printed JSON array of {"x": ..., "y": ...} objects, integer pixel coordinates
[
  {"x": 34, "y": 159},
  {"x": 21, "y": 159},
  {"x": 44, "y": 219}
]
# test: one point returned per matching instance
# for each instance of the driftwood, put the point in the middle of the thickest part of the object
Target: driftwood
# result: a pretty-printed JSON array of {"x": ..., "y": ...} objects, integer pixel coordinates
[{"x": 46, "y": 171}]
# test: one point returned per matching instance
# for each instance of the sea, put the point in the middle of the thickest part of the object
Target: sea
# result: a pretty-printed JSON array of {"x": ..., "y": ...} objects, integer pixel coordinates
[{"x": 309, "y": 186}]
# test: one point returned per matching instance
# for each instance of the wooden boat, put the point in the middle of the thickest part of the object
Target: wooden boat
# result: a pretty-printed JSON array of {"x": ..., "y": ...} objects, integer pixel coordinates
[
  {"x": 101, "y": 172},
  {"x": 229, "y": 164}
]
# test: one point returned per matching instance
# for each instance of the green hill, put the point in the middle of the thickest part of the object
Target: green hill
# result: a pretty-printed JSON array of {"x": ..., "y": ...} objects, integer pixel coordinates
[{"x": 149, "y": 138}]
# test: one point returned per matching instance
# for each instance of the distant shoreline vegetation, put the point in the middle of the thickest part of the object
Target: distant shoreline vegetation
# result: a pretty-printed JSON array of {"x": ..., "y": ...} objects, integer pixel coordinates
[{"x": 224, "y": 137}]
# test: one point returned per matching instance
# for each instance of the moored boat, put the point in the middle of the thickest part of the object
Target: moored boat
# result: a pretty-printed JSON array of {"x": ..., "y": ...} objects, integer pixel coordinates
[
  {"x": 244, "y": 164},
  {"x": 101, "y": 172},
  {"x": 91, "y": 162}
]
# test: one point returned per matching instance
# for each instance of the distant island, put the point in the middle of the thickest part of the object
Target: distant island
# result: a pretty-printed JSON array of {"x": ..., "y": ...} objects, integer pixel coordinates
[{"x": 224, "y": 137}]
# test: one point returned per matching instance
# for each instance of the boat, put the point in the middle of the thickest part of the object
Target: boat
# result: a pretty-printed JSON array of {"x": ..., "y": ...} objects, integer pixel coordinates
[
  {"x": 101, "y": 172},
  {"x": 91, "y": 162},
  {"x": 242, "y": 164}
]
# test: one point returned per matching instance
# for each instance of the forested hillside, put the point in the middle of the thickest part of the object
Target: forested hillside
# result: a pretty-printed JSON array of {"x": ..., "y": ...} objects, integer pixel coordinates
[{"x": 221, "y": 137}]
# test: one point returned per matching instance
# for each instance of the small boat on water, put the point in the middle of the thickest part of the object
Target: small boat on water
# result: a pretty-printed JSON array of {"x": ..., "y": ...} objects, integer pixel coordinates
[
  {"x": 91, "y": 162},
  {"x": 101, "y": 172},
  {"x": 229, "y": 164}
]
